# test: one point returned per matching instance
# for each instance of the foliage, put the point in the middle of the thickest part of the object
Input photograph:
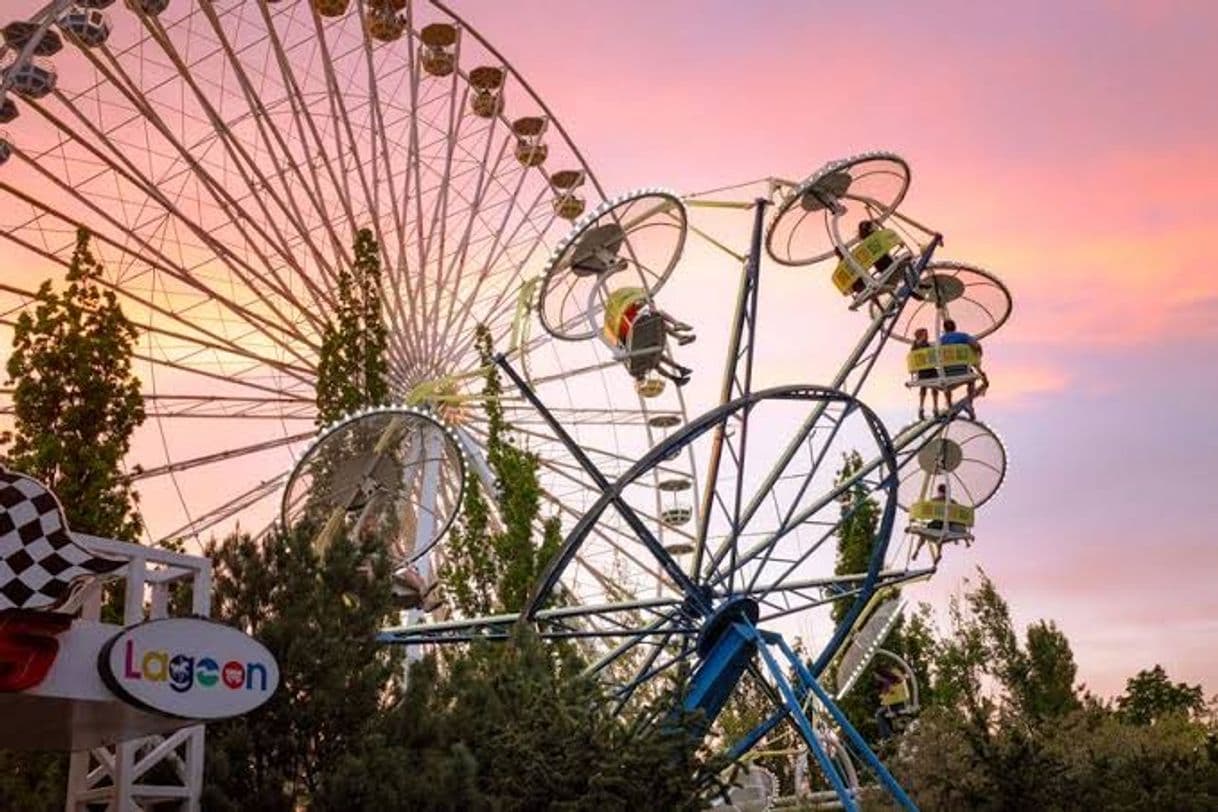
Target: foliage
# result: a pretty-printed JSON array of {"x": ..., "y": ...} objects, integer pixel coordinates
[
  {"x": 33, "y": 782},
  {"x": 76, "y": 403},
  {"x": 1006, "y": 728},
  {"x": 1035, "y": 681},
  {"x": 492, "y": 558},
  {"x": 510, "y": 727},
  {"x": 1150, "y": 697},
  {"x": 352, "y": 371},
  {"x": 857, "y": 529},
  {"x": 1087, "y": 759},
  {"x": 76, "y": 400},
  {"x": 856, "y": 536},
  {"x": 318, "y": 615}
]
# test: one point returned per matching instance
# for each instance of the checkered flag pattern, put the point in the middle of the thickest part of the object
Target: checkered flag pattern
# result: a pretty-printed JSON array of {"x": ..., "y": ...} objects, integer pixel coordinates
[{"x": 41, "y": 567}]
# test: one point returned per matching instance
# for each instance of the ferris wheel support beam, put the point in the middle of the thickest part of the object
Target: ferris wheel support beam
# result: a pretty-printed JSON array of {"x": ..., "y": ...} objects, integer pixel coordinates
[
  {"x": 736, "y": 383},
  {"x": 425, "y": 525}
]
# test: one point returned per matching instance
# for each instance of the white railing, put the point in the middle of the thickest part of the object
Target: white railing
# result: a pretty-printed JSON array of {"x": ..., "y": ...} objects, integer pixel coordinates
[{"x": 113, "y": 774}]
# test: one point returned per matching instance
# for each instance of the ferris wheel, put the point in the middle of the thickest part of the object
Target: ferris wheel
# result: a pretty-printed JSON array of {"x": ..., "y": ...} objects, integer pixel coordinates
[{"x": 224, "y": 155}]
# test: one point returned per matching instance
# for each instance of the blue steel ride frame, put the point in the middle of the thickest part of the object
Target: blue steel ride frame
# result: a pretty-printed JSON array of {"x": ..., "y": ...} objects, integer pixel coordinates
[{"x": 728, "y": 638}]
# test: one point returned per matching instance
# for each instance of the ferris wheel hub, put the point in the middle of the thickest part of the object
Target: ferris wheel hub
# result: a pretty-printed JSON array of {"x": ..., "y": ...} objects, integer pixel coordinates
[{"x": 734, "y": 609}]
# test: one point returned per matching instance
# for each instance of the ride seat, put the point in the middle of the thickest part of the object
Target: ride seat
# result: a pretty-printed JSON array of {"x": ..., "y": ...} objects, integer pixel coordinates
[
  {"x": 848, "y": 276},
  {"x": 645, "y": 343},
  {"x": 953, "y": 365},
  {"x": 936, "y": 520}
]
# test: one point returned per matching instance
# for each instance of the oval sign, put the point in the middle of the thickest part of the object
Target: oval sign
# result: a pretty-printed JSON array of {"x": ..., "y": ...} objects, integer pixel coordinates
[{"x": 189, "y": 668}]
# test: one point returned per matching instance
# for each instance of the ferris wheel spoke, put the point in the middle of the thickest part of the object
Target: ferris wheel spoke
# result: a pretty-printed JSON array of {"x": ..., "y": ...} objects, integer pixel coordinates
[
  {"x": 849, "y": 380},
  {"x": 439, "y": 213},
  {"x": 568, "y": 473},
  {"x": 485, "y": 171},
  {"x": 310, "y": 137},
  {"x": 152, "y": 330},
  {"x": 337, "y": 110},
  {"x": 226, "y": 510},
  {"x": 251, "y": 178},
  {"x": 224, "y": 201},
  {"x": 507, "y": 287},
  {"x": 218, "y": 457},
  {"x": 157, "y": 259},
  {"x": 902, "y": 446},
  {"x": 650, "y": 669},
  {"x": 227, "y": 407},
  {"x": 275, "y": 146}
]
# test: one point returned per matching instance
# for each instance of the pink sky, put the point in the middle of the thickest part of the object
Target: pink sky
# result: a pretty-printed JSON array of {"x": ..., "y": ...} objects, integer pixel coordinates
[{"x": 1070, "y": 148}]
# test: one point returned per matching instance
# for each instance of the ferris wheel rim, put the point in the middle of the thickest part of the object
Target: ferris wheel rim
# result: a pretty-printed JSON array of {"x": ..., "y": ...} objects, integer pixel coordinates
[{"x": 683, "y": 438}]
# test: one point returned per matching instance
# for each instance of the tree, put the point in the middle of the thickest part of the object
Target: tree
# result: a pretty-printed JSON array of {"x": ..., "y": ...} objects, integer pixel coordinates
[
  {"x": 352, "y": 371},
  {"x": 493, "y": 558},
  {"x": 318, "y": 614},
  {"x": 1007, "y": 729},
  {"x": 856, "y": 532},
  {"x": 1151, "y": 697},
  {"x": 510, "y": 727},
  {"x": 76, "y": 401},
  {"x": 856, "y": 537}
]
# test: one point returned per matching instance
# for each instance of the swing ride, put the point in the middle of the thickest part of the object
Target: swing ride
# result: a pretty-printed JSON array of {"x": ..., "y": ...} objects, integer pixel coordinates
[{"x": 224, "y": 155}]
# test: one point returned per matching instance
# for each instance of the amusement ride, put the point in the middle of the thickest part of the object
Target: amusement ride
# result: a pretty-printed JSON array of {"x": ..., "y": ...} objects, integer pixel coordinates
[{"x": 224, "y": 155}]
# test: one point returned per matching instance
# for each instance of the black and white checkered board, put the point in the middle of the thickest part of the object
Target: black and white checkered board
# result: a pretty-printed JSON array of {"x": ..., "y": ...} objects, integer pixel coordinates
[{"x": 40, "y": 566}]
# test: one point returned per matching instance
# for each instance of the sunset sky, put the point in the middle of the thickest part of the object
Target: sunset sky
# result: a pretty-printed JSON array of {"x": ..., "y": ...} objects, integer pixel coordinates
[{"x": 1070, "y": 148}]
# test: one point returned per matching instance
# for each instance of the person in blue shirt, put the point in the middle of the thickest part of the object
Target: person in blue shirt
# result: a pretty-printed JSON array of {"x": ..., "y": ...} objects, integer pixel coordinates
[{"x": 951, "y": 335}]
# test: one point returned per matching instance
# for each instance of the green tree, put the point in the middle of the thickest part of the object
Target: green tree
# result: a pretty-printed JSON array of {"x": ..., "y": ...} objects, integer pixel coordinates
[
  {"x": 318, "y": 614},
  {"x": 76, "y": 403},
  {"x": 1150, "y": 697},
  {"x": 856, "y": 532},
  {"x": 856, "y": 535},
  {"x": 512, "y": 727},
  {"x": 353, "y": 370},
  {"x": 76, "y": 400},
  {"x": 495, "y": 551}
]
